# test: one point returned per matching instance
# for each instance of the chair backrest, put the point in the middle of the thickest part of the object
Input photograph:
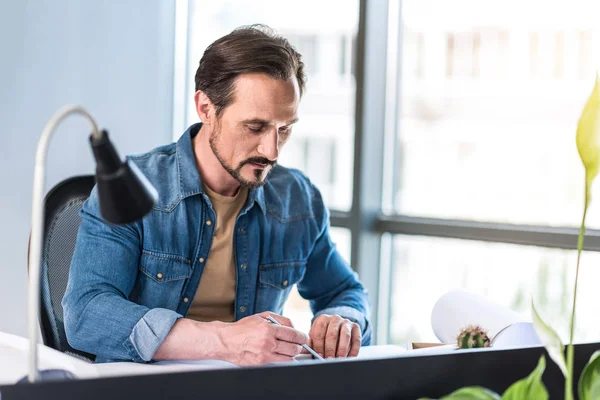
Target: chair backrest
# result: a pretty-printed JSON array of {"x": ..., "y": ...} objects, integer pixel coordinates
[{"x": 62, "y": 206}]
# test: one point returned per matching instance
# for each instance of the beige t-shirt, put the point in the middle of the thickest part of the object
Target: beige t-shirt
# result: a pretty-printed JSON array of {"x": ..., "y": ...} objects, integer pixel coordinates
[{"x": 215, "y": 297}]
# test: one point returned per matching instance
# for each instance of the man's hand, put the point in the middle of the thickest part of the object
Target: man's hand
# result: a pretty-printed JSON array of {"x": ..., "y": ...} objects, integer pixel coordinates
[
  {"x": 334, "y": 336},
  {"x": 254, "y": 340}
]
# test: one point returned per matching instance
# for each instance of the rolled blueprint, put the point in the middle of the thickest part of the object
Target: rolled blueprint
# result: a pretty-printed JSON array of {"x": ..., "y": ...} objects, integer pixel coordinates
[{"x": 457, "y": 309}]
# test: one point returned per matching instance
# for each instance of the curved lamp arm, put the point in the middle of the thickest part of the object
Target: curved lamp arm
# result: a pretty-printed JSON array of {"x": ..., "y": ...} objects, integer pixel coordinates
[{"x": 37, "y": 227}]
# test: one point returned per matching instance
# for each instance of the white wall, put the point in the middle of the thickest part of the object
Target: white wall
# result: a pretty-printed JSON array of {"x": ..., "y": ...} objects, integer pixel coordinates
[{"x": 115, "y": 57}]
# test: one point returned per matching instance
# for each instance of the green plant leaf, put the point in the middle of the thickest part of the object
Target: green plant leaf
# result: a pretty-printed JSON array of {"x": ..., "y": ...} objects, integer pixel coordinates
[
  {"x": 551, "y": 341},
  {"x": 530, "y": 388},
  {"x": 471, "y": 393},
  {"x": 589, "y": 382},
  {"x": 588, "y": 146},
  {"x": 588, "y": 135}
]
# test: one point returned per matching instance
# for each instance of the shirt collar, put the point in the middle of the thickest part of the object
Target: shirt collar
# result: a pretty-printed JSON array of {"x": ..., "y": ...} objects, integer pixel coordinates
[{"x": 190, "y": 183}]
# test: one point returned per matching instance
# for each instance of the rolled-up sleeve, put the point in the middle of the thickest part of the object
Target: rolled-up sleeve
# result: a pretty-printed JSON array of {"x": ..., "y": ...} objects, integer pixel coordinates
[{"x": 149, "y": 333}]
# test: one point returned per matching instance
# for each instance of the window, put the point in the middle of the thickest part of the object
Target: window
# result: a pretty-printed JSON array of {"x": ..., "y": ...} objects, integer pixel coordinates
[
  {"x": 306, "y": 44},
  {"x": 585, "y": 64},
  {"x": 412, "y": 54},
  {"x": 500, "y": 145},
  {"x": 461, "y": 55},
  {"x": 325, "y": 131},
  {"x": 510, "y": 275}
]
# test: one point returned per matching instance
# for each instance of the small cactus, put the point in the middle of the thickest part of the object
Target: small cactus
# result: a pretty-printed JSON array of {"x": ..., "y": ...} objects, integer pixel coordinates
[{"x": 473, "y": 336}]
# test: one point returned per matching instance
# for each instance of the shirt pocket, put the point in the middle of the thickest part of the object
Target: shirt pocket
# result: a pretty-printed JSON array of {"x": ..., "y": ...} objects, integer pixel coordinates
[
  {"x": 275, "y": 282},
  {"x": 161, "y": 279}
]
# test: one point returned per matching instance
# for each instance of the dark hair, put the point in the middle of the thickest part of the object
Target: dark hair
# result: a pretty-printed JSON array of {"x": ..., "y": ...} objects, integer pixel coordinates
[{"x": 248, "y": 49}]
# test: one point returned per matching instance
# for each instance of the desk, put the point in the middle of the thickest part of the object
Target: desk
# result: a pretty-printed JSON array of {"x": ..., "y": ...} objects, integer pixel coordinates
[{"x": 411, "y": 376}]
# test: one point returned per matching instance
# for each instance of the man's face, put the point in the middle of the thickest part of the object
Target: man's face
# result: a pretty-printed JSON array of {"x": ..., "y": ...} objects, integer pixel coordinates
[{"x": 253, "y": 129}]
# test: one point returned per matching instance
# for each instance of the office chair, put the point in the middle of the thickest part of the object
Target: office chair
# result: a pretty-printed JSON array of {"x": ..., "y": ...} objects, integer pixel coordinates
[{"x": 62, "y": 206}]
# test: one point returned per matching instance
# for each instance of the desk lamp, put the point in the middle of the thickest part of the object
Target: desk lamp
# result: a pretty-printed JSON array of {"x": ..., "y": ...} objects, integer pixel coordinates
[{"x": 124, "y": 195}]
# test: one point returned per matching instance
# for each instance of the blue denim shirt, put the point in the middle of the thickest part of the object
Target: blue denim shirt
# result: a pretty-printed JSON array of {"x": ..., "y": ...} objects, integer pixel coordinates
[{"x": 129, "y": 284}]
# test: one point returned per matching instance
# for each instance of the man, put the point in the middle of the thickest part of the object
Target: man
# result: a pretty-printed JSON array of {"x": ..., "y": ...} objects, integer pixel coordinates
[{"x": 231, "y": 233}]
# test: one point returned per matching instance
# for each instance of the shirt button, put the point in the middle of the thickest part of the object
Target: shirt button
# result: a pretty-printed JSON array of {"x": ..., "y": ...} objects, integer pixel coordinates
[
  {"x": 209, "y": 222},
  {"x": 241, "y": 230},
  {"x": 201, "y": 259},
  {"x": 242, "y": 309},
  {"x": 185, "y": 299},
  {"x": 285, "y": 283},
  {"x": 159, "y": 275},
  {"x": 243, "y": 266}
]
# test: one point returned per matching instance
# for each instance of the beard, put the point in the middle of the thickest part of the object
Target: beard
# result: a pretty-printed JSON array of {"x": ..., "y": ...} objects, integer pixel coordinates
[{"x": 260, "y": 176}]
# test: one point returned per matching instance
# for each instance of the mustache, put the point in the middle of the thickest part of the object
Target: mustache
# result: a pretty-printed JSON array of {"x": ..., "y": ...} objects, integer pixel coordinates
[{"x": 258, "y": 160}]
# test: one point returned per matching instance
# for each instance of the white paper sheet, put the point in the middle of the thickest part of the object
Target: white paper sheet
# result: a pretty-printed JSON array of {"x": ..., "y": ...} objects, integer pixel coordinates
[
  {"x": 518, "y": 334},
  {"x": 162, "y": 367},
  {"x": 457, "y": 309},
  {"x": 366, "y": 353},
  {"x": 128, "y": 368}
]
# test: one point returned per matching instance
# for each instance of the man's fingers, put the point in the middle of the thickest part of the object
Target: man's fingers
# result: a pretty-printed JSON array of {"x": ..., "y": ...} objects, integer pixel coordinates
[
  {"x": 355, "y": 341},
  {"x": 343, "y": 347},
  {"x": 317, "y": 334},
  {"x": 288, "y": 349},
  {"x": 291, "y": 335},
  {"x": 332, "y": 336}
]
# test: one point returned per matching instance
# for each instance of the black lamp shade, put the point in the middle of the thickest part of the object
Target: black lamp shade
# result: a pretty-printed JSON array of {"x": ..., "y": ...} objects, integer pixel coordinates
[{"x": 125, "y": 195}]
